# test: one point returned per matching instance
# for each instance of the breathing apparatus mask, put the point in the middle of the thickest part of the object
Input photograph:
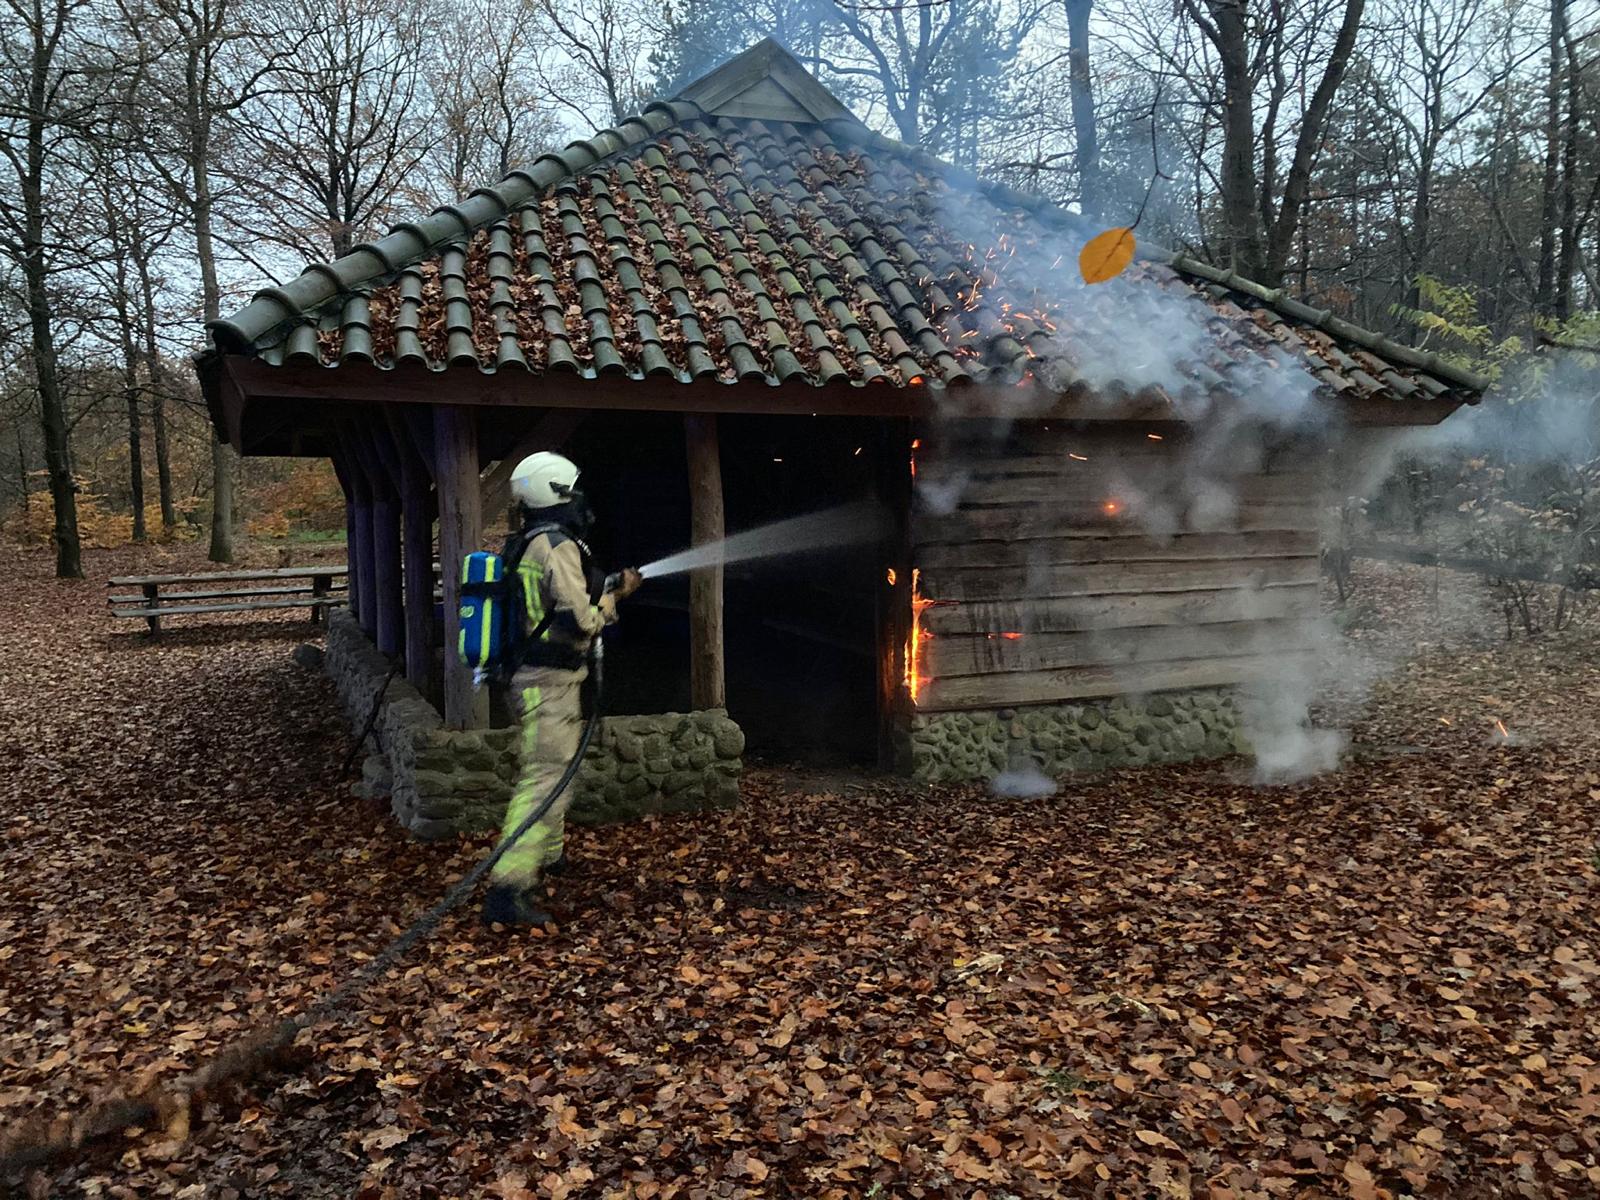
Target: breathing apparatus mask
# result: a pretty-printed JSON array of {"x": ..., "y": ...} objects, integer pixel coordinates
[{"x": 572, "y": 516}]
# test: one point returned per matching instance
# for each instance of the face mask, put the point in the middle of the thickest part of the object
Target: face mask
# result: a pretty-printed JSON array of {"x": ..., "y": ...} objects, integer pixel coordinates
[
  {"x": 580, "y": 514},
  {"x": 573, "y": 514}
]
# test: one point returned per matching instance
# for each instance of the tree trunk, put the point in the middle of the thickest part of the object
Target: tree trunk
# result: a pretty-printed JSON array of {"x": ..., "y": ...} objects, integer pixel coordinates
[
  {"x": 1567, "y": 261},
  {"x": 1241, "y": 217},
  {"x": 1297, "y": 187},
  {"x": 36, "y": 273},
  {"x": 130, "y": 375},
  {"x": 1083, "y": 122},
  {"x": 224, "y": 483},
  {"x": 224, "y": 462},
  {"x": 1544, "y": 299},
  {"x": 158, "y": 402}
]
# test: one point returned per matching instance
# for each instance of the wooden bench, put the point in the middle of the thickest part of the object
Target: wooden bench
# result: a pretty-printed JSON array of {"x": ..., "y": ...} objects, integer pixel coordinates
[{"x": 316, "y": 588}]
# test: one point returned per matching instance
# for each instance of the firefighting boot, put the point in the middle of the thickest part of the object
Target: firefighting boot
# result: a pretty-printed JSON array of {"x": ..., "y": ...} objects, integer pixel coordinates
[{"x": 506, "y": 905}]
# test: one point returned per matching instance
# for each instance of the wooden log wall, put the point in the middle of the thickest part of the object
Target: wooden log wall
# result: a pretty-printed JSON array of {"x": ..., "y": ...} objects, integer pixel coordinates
[{"x": 1065, "y": 564}]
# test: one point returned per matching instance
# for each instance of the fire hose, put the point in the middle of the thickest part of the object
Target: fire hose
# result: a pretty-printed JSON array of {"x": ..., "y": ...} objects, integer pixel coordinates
[{"x": 36, "y": 1143}]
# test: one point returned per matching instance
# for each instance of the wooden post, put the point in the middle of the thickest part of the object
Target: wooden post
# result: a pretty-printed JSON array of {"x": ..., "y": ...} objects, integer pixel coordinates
[
  {"x": 455, "y": 447},
  {"x": 707, "y": 679},
  {"x": 416, "y": 510},
  {"x": 319, "y": 593},
  {"x": 352, "y": 581},
  {"x": 361, "y": 555},
  {"x": 387, "y": 617},
  {"x": 894, "y": 615},
  {"x": 152, "y": 600}
]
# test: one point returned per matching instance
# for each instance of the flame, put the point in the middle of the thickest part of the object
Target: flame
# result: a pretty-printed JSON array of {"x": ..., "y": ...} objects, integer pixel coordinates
[
  {"x": 1010, "y": 635},
  {"x": 917, "y": 640},
  {"x": 1078, "y": 457},
  {"x": 1155, "y": 437},
  {"x": 1111, "y": 507},
  {"x": 891, "y": 576},
  {"x": 1500, "y": 726}
]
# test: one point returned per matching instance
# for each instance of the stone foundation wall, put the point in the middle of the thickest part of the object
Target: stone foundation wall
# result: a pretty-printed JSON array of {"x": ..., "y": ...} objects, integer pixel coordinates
[
  {"x": 441, "y": 782},
  {"x": 1058, "y": 739}
]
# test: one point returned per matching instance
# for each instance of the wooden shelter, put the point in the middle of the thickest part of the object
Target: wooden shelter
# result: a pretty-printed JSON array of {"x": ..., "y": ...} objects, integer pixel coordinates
[{"x": 744, "y": 303}]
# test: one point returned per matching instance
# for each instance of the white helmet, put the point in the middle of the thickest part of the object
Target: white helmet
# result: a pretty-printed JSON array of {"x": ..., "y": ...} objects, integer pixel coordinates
[{"x": 543, "y": 480}]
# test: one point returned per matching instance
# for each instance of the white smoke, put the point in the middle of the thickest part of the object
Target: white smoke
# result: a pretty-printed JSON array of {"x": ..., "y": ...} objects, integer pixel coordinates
[
  {"x": 1025, "y": 781},
  {"x": 1241, "y": 395}
]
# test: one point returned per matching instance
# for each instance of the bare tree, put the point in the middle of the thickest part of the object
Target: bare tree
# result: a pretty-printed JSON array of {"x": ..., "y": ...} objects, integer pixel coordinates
[
  {"x": 1436, "y": 71},
  {"x": 937, "y": 69},
  {"x": 491, "y": 110},
  {"x": 138, "y": 221},
  {"x": 1086, "y": 135},
  {"x": 199, "y": 66},
  {"x": 339, "y": 126},
  {"x": 1259, "y": 221},
  {"x": 595, "y": 57},
  {"x": 43, "y": 95}
]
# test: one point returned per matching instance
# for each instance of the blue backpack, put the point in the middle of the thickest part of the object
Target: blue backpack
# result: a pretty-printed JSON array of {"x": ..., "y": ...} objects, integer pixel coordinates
[
  {"x": 491, "y": 639},
  {"x": 488, "y": 611}
]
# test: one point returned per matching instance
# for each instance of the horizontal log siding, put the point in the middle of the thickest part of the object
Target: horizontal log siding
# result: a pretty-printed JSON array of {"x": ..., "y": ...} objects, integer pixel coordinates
[{"x": 1122, "y": 570}]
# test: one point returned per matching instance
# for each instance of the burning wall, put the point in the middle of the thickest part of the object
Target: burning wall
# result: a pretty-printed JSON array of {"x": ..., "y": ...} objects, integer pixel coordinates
[{"x": 1073, "y": 590}]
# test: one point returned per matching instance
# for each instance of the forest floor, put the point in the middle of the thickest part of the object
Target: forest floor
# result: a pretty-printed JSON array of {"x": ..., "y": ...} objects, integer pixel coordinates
[{"x": 1164, "y": 982}]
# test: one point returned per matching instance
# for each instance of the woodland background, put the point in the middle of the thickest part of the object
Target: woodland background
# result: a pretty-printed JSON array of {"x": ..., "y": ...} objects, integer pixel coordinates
[{"x": 1429, "y": 168}]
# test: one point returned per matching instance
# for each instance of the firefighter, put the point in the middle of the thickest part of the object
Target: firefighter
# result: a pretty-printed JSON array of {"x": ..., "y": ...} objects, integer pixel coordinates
[{"x": 562, "y": 607}]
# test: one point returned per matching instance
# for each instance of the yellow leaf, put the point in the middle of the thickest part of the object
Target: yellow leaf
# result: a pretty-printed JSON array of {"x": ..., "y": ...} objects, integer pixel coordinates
[{"x": 1106, "y": 255}]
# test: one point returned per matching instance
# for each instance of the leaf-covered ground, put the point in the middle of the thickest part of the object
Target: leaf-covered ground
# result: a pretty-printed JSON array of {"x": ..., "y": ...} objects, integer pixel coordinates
[{"x": 1158, "y": 983}]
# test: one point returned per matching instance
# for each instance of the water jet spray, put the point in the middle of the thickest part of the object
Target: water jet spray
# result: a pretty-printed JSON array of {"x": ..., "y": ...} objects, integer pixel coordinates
[{"x": 844, "y": 525}]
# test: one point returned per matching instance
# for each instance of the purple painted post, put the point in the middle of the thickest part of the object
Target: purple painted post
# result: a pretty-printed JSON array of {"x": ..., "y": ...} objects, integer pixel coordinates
[
  {"x": 416, "y": 510},
  {"x": 352, "y": 581},
  {"x": 387, "y": 617},
  {"x": 362, "y": 581}
]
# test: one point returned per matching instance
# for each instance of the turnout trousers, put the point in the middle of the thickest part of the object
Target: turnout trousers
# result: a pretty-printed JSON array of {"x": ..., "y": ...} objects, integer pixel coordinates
[{"x": 549, "y": 707}]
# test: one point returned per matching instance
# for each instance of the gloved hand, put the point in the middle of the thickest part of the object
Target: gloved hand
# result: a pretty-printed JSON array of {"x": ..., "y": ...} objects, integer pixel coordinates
[{"x": 627, "y": 583}]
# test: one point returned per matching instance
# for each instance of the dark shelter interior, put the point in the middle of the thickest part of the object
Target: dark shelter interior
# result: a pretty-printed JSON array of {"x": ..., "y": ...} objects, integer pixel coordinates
[{"x": 800, "y": 628}]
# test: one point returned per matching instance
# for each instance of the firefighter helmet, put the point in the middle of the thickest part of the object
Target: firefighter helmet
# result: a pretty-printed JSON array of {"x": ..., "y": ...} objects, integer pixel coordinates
[{"x": 544, "y": 480}]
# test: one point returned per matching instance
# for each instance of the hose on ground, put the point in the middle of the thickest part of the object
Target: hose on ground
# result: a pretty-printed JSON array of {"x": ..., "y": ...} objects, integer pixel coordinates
[{"x": 35, "y": 1143}]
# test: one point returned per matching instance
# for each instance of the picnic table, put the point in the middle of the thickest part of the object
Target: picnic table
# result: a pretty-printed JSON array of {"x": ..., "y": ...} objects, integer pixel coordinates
[{"x": 317, "y": 588}]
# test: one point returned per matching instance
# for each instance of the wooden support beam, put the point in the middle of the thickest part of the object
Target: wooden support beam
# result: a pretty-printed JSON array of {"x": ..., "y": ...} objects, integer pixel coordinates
[
  {"x": 417, "y": 512},
  {"x": 547, "y": 432},
  {"x": 893, "y": 615},
  {"x": 419, "y": 424},
  {"x": 455, "y": 445},
  {"x": 354, "y": 382},
  {"x": 388, "y": 616},
  {"x": 707, "y": 678},
  {"x": 342, "y": 469},
  {"x": 359, "y": 538}
]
